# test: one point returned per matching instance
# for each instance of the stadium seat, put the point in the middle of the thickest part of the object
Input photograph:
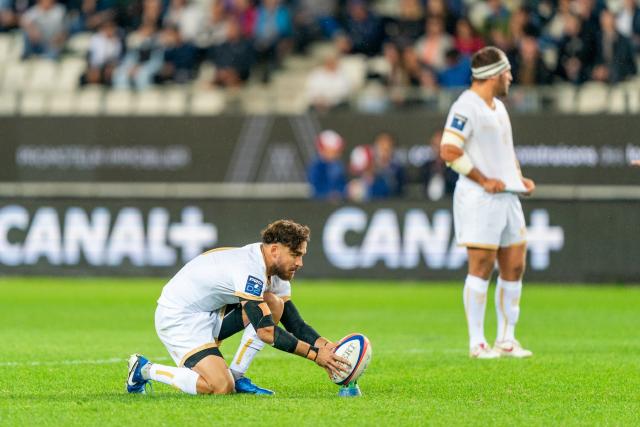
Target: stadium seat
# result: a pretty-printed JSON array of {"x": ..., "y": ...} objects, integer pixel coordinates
[
  {"x": 633, "y": 98},
  {"x": 565, "y": 97},
  {"x": 149, "y": 103},
  {"x": 15, "y": 76},
  {"x": 119, "y": 102},
  {"x": 355, "y": 66},
  {"x": 5, "y": 46},
  {"x": 33, "y": 104},
  {"x": 78, "y": 44},
  {"x": 70, "y": 71},
  {"x": 8, "y": 103},
  {"x": 256, "y": 99},
  {"x": 209, "y": 102},
  {"x": 617, "y": 100},
  {"x": 43, "y": 75},
  {"x": 175, "y": 102},
  {"x": 205, "y": 76},
  {"x": 592, "y": 98},
  {"x": 89, "y": 101},
  {"x": 61, "y": 103}
]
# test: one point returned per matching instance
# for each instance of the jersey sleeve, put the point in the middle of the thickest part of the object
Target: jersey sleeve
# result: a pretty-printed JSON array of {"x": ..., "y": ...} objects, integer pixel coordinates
[
  {"x": 460, "y": 121},
  {"x": 249, "y": 285},
  {"x": 279, "y": 287}
]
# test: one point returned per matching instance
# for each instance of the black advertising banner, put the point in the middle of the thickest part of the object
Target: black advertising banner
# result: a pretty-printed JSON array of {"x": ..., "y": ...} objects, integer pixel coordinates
[
  {"x": 568, "y": 241},
  {"x": 575, "y": 150}
]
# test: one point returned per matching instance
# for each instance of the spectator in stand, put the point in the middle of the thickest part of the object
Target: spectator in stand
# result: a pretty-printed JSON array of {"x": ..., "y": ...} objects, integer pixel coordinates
[
  {"x": 361, "y": 169},
  {"x": 573, "y": 52},
  {"x": 628, "y": 22},
  {"x": 246, "y": 14},
  {"x": 466, "y": 39},
  {"x": 389, "y": 175},
  {"x": 179, "y": 58},
  {"x": 457, "y": 72},
  {"x": 314, "y": 20},
  {"x": 151, "y": 14},
  {"x": 187, "y": 17},
  {"x": 328, "y": 87},
  {"x": 615, "y": 60},
  {"x": 274, "y": 29},
  {"x": 233, "y": 58},
  {"x": 8, "y": 16},
  {"x": 589, "y": 28},
  {"x": 498, "y": 16},
  {"x": 44, "y": 29},
  {"x": 434, "y": 45},
  {"x": 216, "y": 28},
  {"x": 408, "y": 26},
  {"x": 327, "y": 174},
  {"x": 439, "y": 8},
  {"x": 438, "y": 180},
  {"x": 143, "y": 60},
  {"x": 396, "y": 79},
  {"x": 105, "y": 50},
  {"x": 554, "y": 29},
  {"x": 364, "y": 32},
  {"x": 527, "y": 67},
  {"x": 89, "y": 15}
]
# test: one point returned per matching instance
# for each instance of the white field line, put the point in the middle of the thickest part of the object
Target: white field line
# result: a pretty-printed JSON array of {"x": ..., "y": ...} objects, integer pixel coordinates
[{"x": 270, "y": 355}]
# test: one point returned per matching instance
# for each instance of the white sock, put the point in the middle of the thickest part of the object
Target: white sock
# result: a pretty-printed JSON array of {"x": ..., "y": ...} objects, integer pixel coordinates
[
  {"x": 475, "y": 302},
  {"x": 250, "y": 345},
  {"x": 508, "y": 308},
  {"x": 182, "y": 378}
]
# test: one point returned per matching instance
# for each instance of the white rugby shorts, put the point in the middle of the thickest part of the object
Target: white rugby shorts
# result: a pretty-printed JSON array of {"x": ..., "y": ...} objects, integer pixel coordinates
[
  {"x": 184, "y": 333},
  {"x": 484, "y": 220}
]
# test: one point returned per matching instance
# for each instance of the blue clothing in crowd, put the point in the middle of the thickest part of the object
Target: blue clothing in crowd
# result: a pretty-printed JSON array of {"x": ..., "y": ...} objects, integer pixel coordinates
[{"x": 327, "y": 179}]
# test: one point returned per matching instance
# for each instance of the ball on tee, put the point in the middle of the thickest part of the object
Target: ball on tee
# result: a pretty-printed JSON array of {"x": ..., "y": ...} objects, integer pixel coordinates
[{"x": 357, "y": 350}]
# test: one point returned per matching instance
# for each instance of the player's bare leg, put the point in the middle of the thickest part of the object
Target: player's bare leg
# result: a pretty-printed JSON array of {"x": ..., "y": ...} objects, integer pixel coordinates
[
  {"x": 481, "y": 265},
  {"x": 209, "y": 376},
  {"x": 511, "y": 263},
  {"x": 249, "y": 347}
]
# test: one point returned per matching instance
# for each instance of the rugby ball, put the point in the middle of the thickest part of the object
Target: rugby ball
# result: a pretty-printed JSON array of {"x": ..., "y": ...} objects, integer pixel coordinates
[{"x": 357, "y": 350}]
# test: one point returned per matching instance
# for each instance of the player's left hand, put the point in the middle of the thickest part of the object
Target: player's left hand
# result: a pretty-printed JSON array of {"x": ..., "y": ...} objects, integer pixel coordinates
[{"x": 529, "y": 185}]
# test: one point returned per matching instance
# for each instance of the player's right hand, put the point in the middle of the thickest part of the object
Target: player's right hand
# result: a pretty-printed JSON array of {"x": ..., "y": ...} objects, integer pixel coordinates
[
  {"x": 331, "y": 361},
  {"x": 492, "y": 186}
]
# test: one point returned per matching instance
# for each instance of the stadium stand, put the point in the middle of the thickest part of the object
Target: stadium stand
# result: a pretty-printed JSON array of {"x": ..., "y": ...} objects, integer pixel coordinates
[{"x": 587, "y": 50}]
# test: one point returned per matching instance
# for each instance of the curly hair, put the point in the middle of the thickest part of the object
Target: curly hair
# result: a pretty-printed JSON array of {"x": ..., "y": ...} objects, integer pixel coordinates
[{"x": 286, "y": 232}]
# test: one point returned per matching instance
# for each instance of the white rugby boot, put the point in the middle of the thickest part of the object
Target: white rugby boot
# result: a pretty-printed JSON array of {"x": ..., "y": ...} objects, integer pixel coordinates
[
  {"x": 511, "y": 348},
  {"x": 483, "y": 351}
]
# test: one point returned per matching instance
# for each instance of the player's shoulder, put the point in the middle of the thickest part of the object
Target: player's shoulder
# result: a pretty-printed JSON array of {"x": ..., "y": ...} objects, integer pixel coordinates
[{"x": 467, "y": 101}]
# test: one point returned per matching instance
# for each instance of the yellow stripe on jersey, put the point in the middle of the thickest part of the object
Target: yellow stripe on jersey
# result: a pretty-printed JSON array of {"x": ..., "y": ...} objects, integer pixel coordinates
[
  {"x": 248, "y": 296},
  {"x": 219, "y": 249},
  {"x": 195, "y": 350},
  {"x": 458, "y": 134},
  {"x": 243, "y": 351}
]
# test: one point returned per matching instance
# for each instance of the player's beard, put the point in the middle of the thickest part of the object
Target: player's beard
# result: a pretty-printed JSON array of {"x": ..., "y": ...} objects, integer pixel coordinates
[
  {"x": 284, "y": 272},
  {"x": 503, "y": 86}
]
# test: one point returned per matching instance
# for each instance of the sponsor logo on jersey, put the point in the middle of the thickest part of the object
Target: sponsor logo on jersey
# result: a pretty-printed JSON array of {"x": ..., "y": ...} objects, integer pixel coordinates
[
  {"x": 458, "y": 121},
  {"x": 254, "y": 286}
]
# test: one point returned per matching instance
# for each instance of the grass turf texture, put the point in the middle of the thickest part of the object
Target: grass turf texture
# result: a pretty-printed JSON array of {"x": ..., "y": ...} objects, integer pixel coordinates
[{"x": 65, "y": 343}]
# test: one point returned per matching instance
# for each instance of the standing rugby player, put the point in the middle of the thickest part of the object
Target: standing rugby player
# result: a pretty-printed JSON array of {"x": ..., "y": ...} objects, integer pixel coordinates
[{"x": 478, "y": 144}]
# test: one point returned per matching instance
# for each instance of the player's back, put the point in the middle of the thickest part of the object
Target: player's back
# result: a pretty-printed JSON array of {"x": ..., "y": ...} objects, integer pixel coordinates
[{"x": 214, "y": 279}]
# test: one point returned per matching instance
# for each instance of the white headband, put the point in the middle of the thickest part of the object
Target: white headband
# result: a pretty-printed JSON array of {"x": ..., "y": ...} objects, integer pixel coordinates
[{"x": 491, "y": 70}]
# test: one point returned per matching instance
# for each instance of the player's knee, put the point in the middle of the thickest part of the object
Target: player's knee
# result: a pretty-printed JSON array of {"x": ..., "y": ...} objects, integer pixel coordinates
[
  {"x": 224, "y": 386},
  {"x": 266, "y": 335},
  {"x": 276, "y": 305}
]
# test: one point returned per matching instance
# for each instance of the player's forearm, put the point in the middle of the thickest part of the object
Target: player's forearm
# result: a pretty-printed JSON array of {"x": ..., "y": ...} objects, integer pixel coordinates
[{"x": 294, "y": 323}]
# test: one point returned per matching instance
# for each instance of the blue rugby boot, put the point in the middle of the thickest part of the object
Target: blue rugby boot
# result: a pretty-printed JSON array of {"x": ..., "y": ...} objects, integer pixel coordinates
[
  {"x": 244, "y": 385},
  {"x": 135, "y": 382}
]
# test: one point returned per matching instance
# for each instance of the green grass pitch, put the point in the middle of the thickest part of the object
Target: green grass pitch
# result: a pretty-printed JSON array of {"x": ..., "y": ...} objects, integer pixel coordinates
[{"x": 64, "y": 343}]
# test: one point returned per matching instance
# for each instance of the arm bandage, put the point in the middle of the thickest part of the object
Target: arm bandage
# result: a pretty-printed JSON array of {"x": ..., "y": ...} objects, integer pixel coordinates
[{"x": 462, "y": 164}]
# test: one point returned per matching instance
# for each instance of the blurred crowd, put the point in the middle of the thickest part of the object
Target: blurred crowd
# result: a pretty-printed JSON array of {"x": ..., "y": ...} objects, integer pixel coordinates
[
  {"x": 374, "y": 171},
  {"x": 421, "y": 43}
]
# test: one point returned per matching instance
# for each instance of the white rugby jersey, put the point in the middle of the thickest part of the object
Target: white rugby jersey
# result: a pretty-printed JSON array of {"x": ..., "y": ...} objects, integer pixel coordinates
[
  {"x": 487, "y": 138},
  {"x": 219, "y": 277}
]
